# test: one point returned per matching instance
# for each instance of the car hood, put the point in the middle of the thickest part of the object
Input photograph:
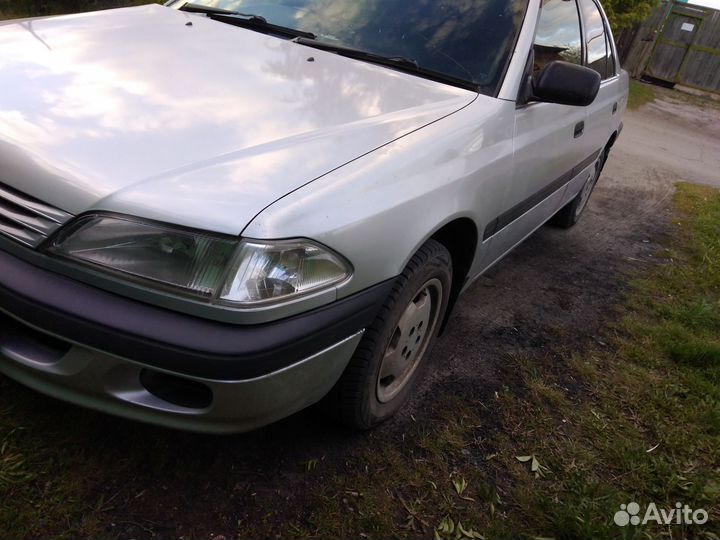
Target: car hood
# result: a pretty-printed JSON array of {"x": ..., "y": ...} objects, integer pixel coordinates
[{"x": 172, "y": 116}]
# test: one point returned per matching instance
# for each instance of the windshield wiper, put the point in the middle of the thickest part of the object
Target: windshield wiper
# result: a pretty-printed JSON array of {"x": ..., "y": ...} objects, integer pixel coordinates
[
  {"x": 401, "y": 62},
  {"x": 245, "y": 20},
  {"x": 207, "y": 10}
]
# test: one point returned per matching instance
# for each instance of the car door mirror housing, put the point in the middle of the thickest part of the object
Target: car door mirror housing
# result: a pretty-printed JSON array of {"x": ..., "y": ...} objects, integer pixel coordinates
[{"x": 566, "y": 84}]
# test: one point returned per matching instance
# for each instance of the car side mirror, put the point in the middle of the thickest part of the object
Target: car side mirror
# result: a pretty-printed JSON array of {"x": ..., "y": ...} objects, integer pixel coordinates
[{"x": 566, "y": 84}]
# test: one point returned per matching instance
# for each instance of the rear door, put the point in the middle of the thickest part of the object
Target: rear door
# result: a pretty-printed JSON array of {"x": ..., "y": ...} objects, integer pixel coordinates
[
  {"x": 549, "y": 138},
  {"x": 604, "y": 113}
]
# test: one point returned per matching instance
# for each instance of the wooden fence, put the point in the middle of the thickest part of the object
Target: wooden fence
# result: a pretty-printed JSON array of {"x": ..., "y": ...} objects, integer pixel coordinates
[{"x": 678, "y": 44}]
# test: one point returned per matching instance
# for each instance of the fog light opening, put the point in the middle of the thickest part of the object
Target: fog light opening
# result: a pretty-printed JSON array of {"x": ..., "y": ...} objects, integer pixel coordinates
[{"x": 176, "y": 390}]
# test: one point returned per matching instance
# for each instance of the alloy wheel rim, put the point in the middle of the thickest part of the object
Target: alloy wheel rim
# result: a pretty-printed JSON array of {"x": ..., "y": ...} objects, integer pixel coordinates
[{"x": 409, "y": 341}]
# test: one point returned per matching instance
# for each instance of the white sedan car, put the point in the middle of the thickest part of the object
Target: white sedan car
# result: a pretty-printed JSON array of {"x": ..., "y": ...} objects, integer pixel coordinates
[{"x": 215, "y": 214}]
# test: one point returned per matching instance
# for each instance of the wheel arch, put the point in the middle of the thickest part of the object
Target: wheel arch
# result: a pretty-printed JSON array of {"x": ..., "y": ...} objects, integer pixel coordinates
[
  {"x": 460, "y": 238},
  {"x": 611, "y": 141}
]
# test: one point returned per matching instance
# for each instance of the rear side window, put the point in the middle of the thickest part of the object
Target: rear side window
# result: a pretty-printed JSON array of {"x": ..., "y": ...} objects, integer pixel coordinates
[
  {"x": 558, "y": 34},
  {"x": 599, "y": 51}
]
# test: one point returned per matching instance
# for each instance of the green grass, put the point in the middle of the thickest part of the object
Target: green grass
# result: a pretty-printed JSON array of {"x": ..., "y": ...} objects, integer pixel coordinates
[
  {"x": 641, "y": 423},
  {"x": 640, "y": 94},
  {"x": 552, "y": 453}
]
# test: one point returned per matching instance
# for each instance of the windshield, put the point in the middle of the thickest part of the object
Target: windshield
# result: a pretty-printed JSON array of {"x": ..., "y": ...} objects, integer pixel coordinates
[{"x": 466, "y": 40}]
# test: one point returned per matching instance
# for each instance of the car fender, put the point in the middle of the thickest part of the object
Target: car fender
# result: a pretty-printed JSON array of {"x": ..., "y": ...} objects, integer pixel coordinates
[{"x": 379, "y": 209}]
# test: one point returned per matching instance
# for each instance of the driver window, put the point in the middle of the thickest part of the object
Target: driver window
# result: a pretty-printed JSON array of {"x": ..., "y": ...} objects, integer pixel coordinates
[{"x": 558, "y": 34}]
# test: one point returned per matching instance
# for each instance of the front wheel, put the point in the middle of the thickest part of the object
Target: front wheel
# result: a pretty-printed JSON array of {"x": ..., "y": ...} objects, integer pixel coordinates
[{"x": 386, "y": 364}]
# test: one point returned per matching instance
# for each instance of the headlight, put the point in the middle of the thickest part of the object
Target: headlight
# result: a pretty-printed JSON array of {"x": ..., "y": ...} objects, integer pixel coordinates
[
  {"x": 264, "y": 272},
  {"x": 222, "y": 270}
]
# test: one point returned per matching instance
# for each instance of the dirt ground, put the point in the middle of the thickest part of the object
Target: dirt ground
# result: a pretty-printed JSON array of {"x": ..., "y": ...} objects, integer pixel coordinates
[
  {"x": 553, "y": 292},
  {"x": 550, "y": 296}
]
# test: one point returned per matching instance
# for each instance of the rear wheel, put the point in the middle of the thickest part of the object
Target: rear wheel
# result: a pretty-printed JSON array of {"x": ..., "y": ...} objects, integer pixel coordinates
[
  {"x": 570, "y": 214},
  {"x": 388, "y": 361}
]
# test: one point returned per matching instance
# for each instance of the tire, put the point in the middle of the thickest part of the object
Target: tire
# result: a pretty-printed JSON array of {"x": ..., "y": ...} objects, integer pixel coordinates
[
  {"x": 387, "y": 363},
  {"x": 570, "y": 214}
]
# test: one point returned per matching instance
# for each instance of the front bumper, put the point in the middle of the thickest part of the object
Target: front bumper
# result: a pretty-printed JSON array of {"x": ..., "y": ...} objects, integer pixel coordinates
[{"x": 93, "y": 348}]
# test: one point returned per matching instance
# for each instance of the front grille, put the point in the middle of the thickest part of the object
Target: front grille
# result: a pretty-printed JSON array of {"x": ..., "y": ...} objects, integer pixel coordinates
[{"x": 26, "y": 219}]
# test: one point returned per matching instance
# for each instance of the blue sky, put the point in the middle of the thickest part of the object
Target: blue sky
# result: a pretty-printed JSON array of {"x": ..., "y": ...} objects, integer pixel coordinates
[{"x": 710, "y": 3}]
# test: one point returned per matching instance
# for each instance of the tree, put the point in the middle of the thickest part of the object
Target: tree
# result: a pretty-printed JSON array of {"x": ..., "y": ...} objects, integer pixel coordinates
[{"x": 625, "y": 13}]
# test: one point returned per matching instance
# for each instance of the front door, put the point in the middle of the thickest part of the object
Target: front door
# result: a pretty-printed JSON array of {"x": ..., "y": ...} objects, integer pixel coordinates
[{"x": 549, "y": 139}]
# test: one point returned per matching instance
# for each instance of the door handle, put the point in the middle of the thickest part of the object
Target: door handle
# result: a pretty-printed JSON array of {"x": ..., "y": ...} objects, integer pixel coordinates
[
  {"x": 614, "y": 107},
  {"x": 579, "y": 129}
]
